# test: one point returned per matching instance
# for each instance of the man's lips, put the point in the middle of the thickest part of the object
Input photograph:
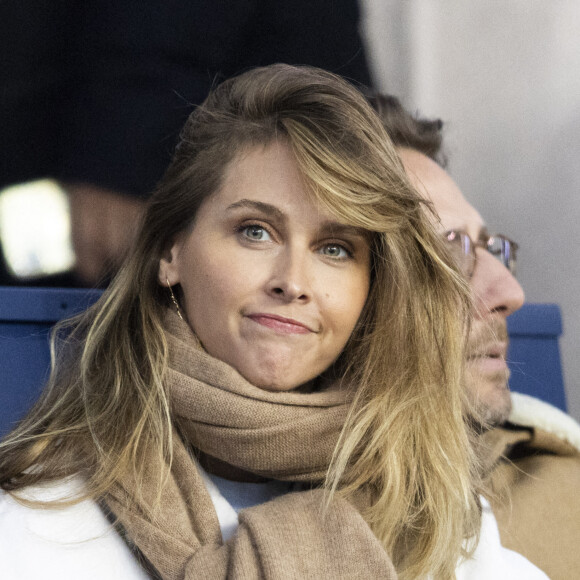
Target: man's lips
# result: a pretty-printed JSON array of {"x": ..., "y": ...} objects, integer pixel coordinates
[
  {"x": 490, "y": 358},
  {"x": 497, "y": 351},
  {"x": 280, "y": 323}
]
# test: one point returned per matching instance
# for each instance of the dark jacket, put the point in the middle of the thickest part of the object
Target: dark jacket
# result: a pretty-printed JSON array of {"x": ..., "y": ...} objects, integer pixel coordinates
[{"x": 98, "y": 91}]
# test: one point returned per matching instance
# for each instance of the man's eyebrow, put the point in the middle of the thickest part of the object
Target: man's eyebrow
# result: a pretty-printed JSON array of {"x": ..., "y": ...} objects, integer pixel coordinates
[
  {"x": 483, "y": 234},
  {"x": 265, "y": 208}
]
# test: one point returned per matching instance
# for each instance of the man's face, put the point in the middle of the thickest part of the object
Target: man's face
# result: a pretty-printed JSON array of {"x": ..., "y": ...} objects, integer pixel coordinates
[{"x": 496, "y": 293}]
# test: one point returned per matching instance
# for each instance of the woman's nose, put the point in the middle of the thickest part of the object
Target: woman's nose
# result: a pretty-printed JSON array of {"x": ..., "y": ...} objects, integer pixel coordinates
[
  {"x": 290, "y": 278},
  {"x": 495, "y": 289}
]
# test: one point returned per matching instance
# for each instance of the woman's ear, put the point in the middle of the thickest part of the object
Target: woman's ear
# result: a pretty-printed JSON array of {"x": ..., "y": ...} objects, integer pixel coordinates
[{"x": 169, "y": 265}]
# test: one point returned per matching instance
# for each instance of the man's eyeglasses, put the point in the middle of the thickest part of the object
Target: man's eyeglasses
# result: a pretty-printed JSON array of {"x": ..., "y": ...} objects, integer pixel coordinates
[{"x": 463, "y": 248}]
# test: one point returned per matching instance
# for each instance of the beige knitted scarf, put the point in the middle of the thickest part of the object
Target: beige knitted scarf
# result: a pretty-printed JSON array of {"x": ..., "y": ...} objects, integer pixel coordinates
[{"x": 288, "y": 436}]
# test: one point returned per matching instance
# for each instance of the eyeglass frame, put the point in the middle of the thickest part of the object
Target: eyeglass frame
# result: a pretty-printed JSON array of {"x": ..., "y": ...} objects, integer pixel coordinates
[{"x": 467, "y": 260}]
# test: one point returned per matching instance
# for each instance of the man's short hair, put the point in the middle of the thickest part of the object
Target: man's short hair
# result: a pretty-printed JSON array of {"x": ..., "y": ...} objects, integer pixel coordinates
[{"x": 408, "y": 130}]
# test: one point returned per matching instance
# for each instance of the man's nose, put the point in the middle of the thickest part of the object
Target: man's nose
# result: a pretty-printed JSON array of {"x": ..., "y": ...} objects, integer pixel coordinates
[{"x": 495, "y": 289}]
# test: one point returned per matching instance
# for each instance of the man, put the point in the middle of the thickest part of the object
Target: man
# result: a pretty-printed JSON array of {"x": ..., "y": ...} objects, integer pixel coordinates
[{"x": 530, "y": 450}]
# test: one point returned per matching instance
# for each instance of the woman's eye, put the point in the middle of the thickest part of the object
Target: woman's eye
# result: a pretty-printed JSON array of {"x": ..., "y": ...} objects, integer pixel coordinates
[
  {"x": 256, "y": 233},
  {"x": 335, "y": 251}
]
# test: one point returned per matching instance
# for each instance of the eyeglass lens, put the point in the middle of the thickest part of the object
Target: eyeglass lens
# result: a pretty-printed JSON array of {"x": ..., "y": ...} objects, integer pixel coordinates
[
  {"x": 463, "y": 249},
  {"x": 504, "y": 250}
]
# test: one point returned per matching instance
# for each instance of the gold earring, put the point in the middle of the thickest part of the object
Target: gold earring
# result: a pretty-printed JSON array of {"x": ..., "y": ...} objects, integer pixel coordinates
[{"x": 173, "y": 299}]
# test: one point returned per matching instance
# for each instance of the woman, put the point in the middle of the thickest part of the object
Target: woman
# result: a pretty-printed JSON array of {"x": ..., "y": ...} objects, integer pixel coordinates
[{"x": 287, "y": 314}]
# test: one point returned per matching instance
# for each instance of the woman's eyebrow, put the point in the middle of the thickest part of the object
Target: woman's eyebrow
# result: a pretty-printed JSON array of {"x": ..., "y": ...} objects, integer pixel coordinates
[
  {"x": 266, "y": 208},
  {"x": 329, "y": 228},
  {"x": 337, "y": 229}
]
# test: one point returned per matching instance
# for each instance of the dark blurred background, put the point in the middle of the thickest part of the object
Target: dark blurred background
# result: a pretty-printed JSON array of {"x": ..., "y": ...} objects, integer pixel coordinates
[{"x": 94, "y": 93}]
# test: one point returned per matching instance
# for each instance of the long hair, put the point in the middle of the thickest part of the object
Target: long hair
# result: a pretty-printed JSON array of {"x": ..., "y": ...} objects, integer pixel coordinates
[{"x": 105, "y": 407}]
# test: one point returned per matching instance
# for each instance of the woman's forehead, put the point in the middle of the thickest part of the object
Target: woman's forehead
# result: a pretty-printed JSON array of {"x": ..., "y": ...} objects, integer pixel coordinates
[{"x": 267, "y": 180}]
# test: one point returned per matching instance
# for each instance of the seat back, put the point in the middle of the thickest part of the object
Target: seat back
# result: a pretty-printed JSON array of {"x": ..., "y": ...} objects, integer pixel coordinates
[
  {"x": 534, "y": 353},
  {"x": 27, "y": 315}
]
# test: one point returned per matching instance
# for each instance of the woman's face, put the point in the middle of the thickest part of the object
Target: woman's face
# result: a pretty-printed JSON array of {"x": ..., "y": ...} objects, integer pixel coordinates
[{"x": 272, "y": 283}]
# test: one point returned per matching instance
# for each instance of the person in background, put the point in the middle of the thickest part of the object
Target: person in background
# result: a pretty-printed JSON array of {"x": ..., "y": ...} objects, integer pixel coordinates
[
  {"x": 530, "y": 450},
  {"x": 94, "y": 93},
  {"x": 286, "y": 341}
]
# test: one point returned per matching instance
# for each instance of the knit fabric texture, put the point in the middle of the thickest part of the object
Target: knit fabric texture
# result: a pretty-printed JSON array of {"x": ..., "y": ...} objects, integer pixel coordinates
[{"x": 287, "y": 436}]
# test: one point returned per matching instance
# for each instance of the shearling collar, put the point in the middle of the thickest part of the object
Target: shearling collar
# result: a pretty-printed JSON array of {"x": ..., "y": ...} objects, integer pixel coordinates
[{"x": 534, "y": 426}]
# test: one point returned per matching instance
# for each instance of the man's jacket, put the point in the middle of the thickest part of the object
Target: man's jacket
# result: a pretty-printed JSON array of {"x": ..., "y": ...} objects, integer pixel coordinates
[{"x": 534, "y": 466}]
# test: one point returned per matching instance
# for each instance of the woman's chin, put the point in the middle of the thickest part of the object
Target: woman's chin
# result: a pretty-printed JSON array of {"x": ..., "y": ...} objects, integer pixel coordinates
[
  {"x": 272, "y": 369},
  {"x": 277, "y": 381},
  {"x": 276, "y": 385}
]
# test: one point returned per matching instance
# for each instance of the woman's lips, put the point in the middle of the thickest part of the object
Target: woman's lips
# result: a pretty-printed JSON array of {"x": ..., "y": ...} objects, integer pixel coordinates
[{"x": 280, "y": 324}]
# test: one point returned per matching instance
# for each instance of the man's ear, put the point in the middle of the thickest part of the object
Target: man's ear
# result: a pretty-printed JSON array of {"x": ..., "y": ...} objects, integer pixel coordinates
[{"x": 169, "y": 265}]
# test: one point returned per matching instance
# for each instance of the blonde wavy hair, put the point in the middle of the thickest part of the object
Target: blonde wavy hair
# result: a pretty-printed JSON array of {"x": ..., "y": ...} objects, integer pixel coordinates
[{"x": 105, "y": 407}]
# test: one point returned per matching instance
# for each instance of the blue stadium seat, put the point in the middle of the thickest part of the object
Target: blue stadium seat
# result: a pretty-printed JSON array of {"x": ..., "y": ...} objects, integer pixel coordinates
[
  {"x": 26, "y": 317},
  {"x": 534, "y": 353},
  {"x": 27, "y": 314}
]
